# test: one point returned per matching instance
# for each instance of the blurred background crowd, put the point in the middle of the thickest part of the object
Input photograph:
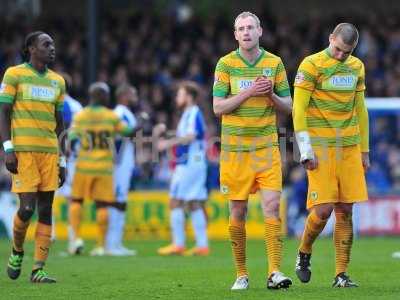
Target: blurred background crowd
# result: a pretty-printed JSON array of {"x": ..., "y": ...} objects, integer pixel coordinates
[{"x": 153, "y": 51}]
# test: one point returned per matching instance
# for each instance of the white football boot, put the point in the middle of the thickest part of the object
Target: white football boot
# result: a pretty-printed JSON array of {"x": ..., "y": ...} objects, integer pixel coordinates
[{"x": 241, "y": 283}]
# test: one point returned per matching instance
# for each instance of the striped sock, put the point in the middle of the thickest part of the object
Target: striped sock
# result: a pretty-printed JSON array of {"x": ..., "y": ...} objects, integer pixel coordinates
[
  {"x": 313, "y": 227},
  {"x": 273, "y": 243},
  {"x": 102, "y": 223},
  {"x": 42, "y": 244},
  {"x": 343, "y": 239},
  {"x": 237, "y": 233},
  {"x": 75, "y": 217},
  {"x": 19, "y": 232}
]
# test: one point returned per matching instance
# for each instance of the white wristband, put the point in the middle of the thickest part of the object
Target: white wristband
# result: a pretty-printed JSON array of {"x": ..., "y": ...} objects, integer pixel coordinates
[
  {"x": 305, "y": 147},
  {"x": 8, "y": 146},
  {"x": 62, "y": 162}
]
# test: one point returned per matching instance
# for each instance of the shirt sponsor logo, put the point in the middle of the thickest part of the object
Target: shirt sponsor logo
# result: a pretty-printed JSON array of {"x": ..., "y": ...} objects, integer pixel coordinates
[
  {"x": 43, "y": 93},
  {"x": 299, "y": 77},
  {"x": 244, "y": 84},
  {"x": 341, "y": 81}
]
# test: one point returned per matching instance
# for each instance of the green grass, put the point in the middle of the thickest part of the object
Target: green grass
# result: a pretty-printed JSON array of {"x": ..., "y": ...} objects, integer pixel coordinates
[{"x": 149, "y": 276}]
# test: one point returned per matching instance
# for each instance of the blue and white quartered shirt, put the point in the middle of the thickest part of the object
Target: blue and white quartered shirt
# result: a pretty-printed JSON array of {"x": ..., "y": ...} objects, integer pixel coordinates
[{"x": 192, "y": 123}]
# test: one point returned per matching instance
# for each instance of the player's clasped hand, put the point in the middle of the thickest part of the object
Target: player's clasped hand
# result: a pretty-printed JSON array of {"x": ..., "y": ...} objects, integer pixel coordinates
[
  {"x": 262, "y": 86},
  {"x": 11, "y": 162}
]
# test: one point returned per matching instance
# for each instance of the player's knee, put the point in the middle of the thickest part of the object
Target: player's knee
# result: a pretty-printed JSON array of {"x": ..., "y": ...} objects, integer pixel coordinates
[
  {"x": 270, "y": 206},
  {"x": 120, "y": 206},
  {"x": 194, "y": 205},
  {"x": 25, "y": 212},
  {"x": 238, "y": 210},
  {"x": 324, "y": 212},
  {"x": 77, "y": 201},
  {"x": 173, "y": 203},
  {"x": 102, "y": 204},
  {"x": 45, "y": 214}
]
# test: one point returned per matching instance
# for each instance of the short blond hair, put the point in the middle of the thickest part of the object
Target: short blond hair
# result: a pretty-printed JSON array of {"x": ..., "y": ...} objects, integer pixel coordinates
[{"x": 246, "y": 14}]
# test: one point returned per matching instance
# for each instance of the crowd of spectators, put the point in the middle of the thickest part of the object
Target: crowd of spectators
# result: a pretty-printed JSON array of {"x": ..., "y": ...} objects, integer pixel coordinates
[{"x": 153, "y": 52}]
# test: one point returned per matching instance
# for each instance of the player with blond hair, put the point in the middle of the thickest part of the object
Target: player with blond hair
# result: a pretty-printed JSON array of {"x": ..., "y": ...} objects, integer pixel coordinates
[{"x": 250, "y": 87}]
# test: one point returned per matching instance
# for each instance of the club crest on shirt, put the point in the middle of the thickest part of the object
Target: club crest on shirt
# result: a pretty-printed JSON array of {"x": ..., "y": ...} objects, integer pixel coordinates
[
  {"x": 267, "y": 72},
  {"x": 314, "y": 195},
  {"x": 224, "y": 189},
  {"x": 299, "y": 77},
  {"x": 54, "y": 83},
  {"x": 17, "y": 183}
]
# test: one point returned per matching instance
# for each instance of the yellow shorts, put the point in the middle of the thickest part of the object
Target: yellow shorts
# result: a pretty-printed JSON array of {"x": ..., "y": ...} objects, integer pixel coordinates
[
  {"x": 244, "y": 173},
  {"x": 339, "y": 177},
  {"x": 37, "y": 172},
  {"x": 93, "y": 187}
]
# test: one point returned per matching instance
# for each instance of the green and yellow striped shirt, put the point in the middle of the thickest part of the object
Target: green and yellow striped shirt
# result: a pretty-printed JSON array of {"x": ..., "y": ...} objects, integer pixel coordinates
[
  {"x": 252, "y": 126},
  {"x": 331, "y": 115},
  {"x": 35, "y": 98},
  {"x": 96, "y": 128}
]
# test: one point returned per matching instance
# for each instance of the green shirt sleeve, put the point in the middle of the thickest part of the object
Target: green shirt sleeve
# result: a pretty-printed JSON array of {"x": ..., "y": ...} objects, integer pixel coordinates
[
  {"x": 221, "y": 85},
  {"x": 281, "y": 87},
  {"x": 8, "y": 87}
]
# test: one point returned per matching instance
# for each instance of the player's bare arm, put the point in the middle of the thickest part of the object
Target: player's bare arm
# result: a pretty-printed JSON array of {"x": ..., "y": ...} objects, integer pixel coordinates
[
  {"x": 165, "y": 144},
  {"x": 59, "y": 131},
  {"x": 5, "y": 132},
  {"x": 282, "y": 104}
]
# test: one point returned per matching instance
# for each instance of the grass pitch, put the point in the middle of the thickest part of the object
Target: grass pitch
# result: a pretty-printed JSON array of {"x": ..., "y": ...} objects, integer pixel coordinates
[{"x": 148, "y": 276}]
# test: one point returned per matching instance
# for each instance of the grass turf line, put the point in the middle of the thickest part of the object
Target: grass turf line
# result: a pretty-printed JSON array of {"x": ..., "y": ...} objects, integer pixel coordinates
[{"x": 149, "y": 276}]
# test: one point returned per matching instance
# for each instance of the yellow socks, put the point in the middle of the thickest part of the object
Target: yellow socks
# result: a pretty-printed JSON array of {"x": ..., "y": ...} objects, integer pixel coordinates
[
  {"x": 19, "y": 232},
  {"x": 273, "y": 243},
  {"x": 313, "y": 227},
  {"x": 343, "y": 238},
  {"x": 75, "y": 217},
  {"x": 237, "y": 233},
  {"x": 102, "y": 223},
  {"x": 42, "y": 244}
]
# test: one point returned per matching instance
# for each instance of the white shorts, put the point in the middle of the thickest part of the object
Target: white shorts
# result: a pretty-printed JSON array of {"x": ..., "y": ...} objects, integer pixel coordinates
[{"x": 189, "y": 182}]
